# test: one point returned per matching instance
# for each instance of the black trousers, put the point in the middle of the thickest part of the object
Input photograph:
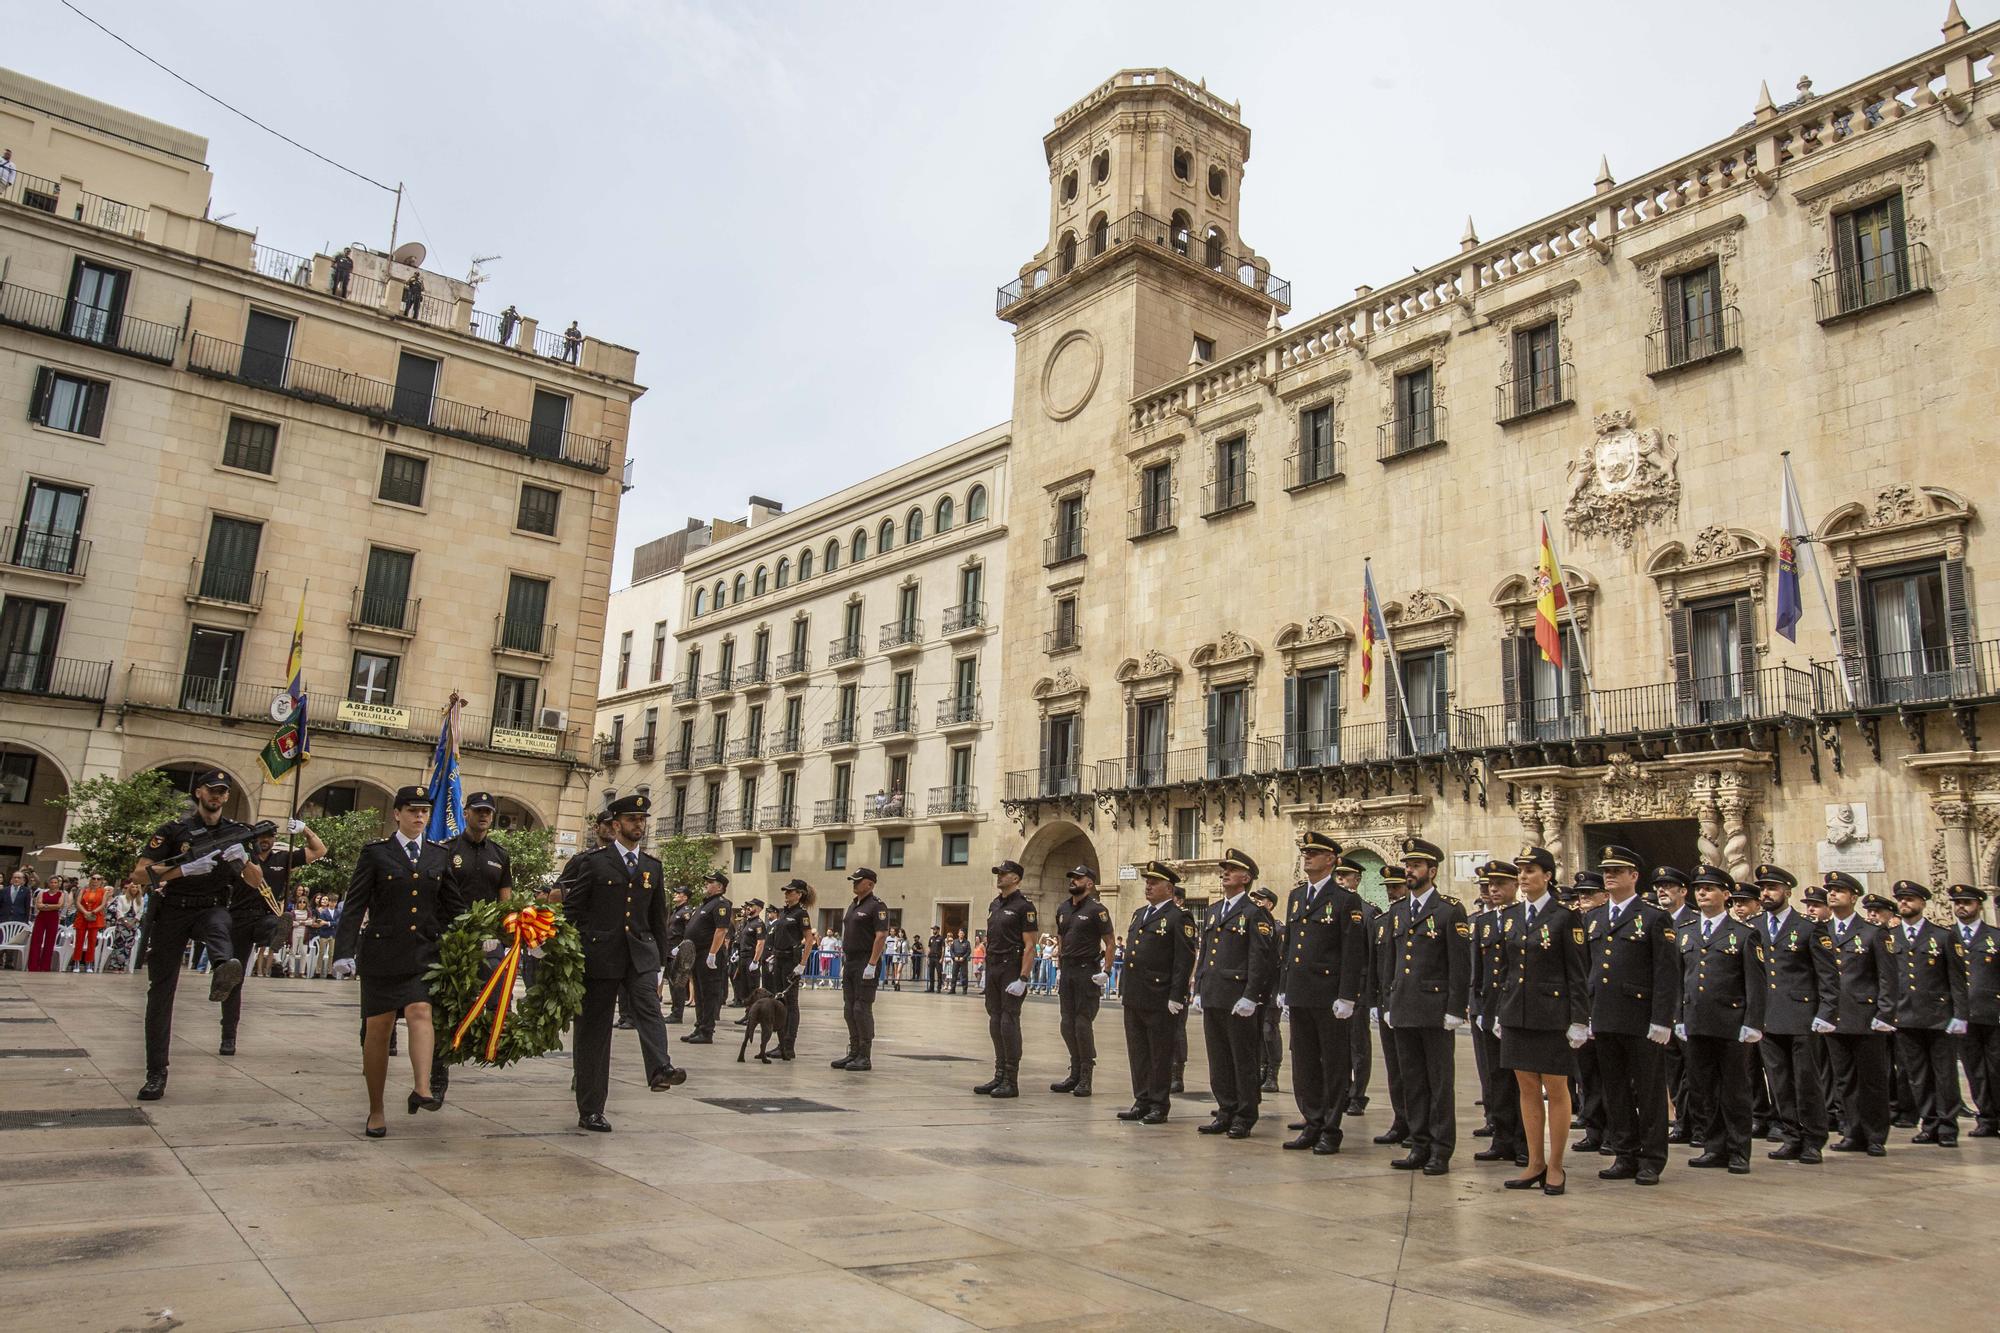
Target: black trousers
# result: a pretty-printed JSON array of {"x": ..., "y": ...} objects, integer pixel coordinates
[
  {"x": 1633, "y": 1072},
  {"x": 1502, "y": 1095},
  {"x": 1861, "y": 1070},
  {"x": 1829, "y": 1086},
  {"x": 1392, "y": 1070},
  {"x": 857, "y": 1004},
  {"x": 711, "y": 988},
  {"x": 934, "y": 976},
  {"x": 1677, "y": 1085},
  {"x": 1425, "y": 1055},
  {"x": 1979, "y": 1048},
  {"x": 1235, "y": 1050},
  {"x": 1322, "y": 1068},
  {"x": 1931, "y": 1058},
  {"x": 1180, "y": 1041},
  {"x": 1798, "y": 1101},
  {"x": 639, "y": 993},
  {"x": 173, "y": 926},
  {"x": 776, "y": 977},
  {"x": 1149, "y": 1049},
  {"x": 1589, "y": 1089},
  {"x": 1363, "y": 1067},
  {"x": 1270, "y": 1043},
  {"x": 1719, "y": 1069},
  {"x": 246, "y": 932},
  {"x": 1003, "y": 1013},
  {"x": 1079, "y": 997}
]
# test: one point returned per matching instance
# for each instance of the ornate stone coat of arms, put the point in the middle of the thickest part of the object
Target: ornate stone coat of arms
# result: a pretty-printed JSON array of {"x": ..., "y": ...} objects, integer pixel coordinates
[{"x": 1624, "y": 480}]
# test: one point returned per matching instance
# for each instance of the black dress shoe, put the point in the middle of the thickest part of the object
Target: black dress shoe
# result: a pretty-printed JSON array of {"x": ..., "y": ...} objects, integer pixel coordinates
[
  {"x": 228, "y": 1046},
  {"x": 1357, "y": 1105},
  {"x": 1493, "y": 1155},
  {"x": 699, "y": 1039},
  {"x": 1176, "y": 1087},
  {"x": 1944, "y": 1142},
  {"x": 1438, "y": 1166},
  {"x": 1241, "y": 1129},
  {"x": 1588, "y": 1143},
  {"x": 1924, "y": 1136},
  {"x": 1646, "y": 1176},
  {"x": 1156, "y": 1116},
  {"x": 1521, "y": 1158},
  {"x": 1739, "y": 1166},
  {"x": 1270, "y": 1083},
  {"x": 1679, "y": 1136},
  {"x": 1759, "y": 1128},
  {"x": 155, "y": 1088},
  {"x": 1810, "y": 1157},
  {"x": 596, "y": 1124},
  {"x": 376, "y": 1131},
  {"x": 225, "y": 978},
  {"x": 1394, "y": 1134},
  {"x": 1296, "y": 1125},
  {"x": 1483, "y": 1132},
  {"x": 1303, "y": 1141},
  {"x": 1533, "y": 1182},
  {"x": 1133, "y": 1112},
  {"x": 667, "y": 1078},
  {"x": 1849, "y": 1145},
  {"x": 861, "y": 1064},
  {"x": 1619, "y": 1171},
  {"x": 1215, "y": 1126},
  {"x": 418, "y": 1103},
  {"x": 1707, "y": 1160},
  {"x": 1984, "y": 1130},
  {"x": 1877, "y": 1150},
  {"x": 841, "y": 1063},
  {"x": 1575, "y": 1122},
  {"x": 1326, "y": 1146},
  {"x": 1903, "y": 1122},
  {"x": 1412, "y": 1162},
  {"x": 1067, "y": 1085},
  {"x": 1555, "y": 1190}
]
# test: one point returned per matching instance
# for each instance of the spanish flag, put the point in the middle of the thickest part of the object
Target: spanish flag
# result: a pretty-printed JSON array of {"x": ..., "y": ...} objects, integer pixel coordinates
[
  {"x": 1550, "y": 600},
  {"x": 1370, "y": 616}
]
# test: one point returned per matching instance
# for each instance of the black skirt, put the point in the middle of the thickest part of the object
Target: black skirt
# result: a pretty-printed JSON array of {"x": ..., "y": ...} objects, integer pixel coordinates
[
  {"x": 389, "y": 995},
  {"x": 1535, "y": 1051}
]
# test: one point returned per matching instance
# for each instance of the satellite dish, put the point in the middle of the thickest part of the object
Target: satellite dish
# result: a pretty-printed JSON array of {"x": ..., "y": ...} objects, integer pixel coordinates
[{"x": 410, "y": 255}]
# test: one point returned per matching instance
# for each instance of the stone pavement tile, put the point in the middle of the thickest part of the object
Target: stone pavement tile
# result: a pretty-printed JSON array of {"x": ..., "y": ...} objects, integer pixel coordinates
[
  {"x": 222, "y": 1160},
  {"x": 1033, "y": 1221},
  {"x": 223, "y": 1297},
  {"x": 556, "y": 1172},
  {"x": 607, "y": 1205},
  {"x": 880, "y": 1237},
  {"x": 393, "y": 1281},
  {"x": 844, "y": 1163},
  {"x": 1295, "y": 1253},
  {"x": 752, "y": 1200},
  {"x": 1194, "y": 1268},
  {"x": 1185, "y": 1317},
  {"x": 1329, "y": 1301},
  {"x": 638, "y": 1258},
  {"x": 23, "y": 1168},
  {"x": 1414, "y": 1312},
  {"x": 281, "y": 1227},
  {"x": 1003, "y": 1290},
  {"x": 932, "y": 1190},
  {"x": 1788, "y": 1308},
  {"x": 79, "y": 1139},
  {"x": 81, "y": 1248},
  {"x": 62, "y": 1203},
  {"x": 279, "y": 1123},
  {"x": 1550, "y": 1292},
  {"x": 1191, "y": 1211},
  {"x": 822, "y": 1300},
  {"x": 597, "y": 1314},
  {"x": 710, "y": 1167},
  {"x": 382, "y": 1182}
]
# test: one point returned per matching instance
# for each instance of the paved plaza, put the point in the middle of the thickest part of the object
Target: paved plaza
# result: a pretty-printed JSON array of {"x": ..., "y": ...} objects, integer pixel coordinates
[{"x": 248, "y": 1199}]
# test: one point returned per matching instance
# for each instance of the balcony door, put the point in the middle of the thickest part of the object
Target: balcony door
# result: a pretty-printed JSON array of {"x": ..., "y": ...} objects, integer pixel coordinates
[
  {"x": 267, "y": 349},
  {"x": 1427, "y": 683},
  {"x": 51, "y": 528},
  {"x": 29, "y": 633},
  {"x": 208, "y": 683},
  {"x": 1228, "y": 715},
  {"x": 96, "y": 301},
  {"x": 1062, "y": 743},
  {"x": 229, "y": 569},
  {"x": 1908, "y": 642},
  {"x": 1149, "y": 743},
  {"x": 1312, "y": 722},
  {"x": 416, "y": 386}
]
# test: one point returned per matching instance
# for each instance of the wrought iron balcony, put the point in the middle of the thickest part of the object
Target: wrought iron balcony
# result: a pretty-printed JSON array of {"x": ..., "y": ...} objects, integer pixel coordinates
[
  {"x": 53, "y": 677},
  {"x": 959, "y": 709},
  {"x": 968, "y": 616},
  {"x": 1314, "y": 464},
  {"x": 1228, "y": 495},
  {"x": 530, "y": 638},
  {"x": 225, "y": 585},
  {"x": 954, "y": 800},
  {"x": 778, "y": 818},
  {"x": 30, "y": 191},
  {"x": 1122, "y": 236},
  {"x": 1763, "y": 694},
  {"x": 711, "y": 754},
  {"x": 896, "y": 721},
  {"x": 679, "y": 760},
  {"x": 1050, "y": 781},
  {"x": 730, "y": 821},
  {"x": 1953, "y": 676},
  {"x": 72, "y": 321},
  {"x": 643, "y": 746},
  {"x": 1426, "y": 735},
  {"x": 1064, "y": 545},
  {"x": 793, "y": 664},
  {"x": 1062, "y": 639},
  {"x": 746, "y": 747},
  {"x": 1153, "y": 518},
  {"x": 379, "y": 611},
  {"x": 752, "y": 674},
  {"x": 847, "y": 648},
  {"x": 899, "y": 634},
  {"x": 1168, "y": 768},
  {"x": 1534, "y": 392},
  {"x": 783, "y": 742},
  {"x": 843, "y": 731},
  {"x": 609, "y": 751},
  {"x": 45, "y": 551},
  {"x": 1876, "y": 281},
  {"x": 1693, "y": 342},
  {"x": 836, "y": 811},
  {"x": 885, "y": 807},
  {"x": 716, "y": 682},
  {"x": 687, "y": 689},
  {"x": 1402, "y": 436}
]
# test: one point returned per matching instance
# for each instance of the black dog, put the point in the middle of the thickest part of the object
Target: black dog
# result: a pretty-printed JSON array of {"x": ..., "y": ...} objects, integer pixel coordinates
[{"x": 766, "y": 1016}]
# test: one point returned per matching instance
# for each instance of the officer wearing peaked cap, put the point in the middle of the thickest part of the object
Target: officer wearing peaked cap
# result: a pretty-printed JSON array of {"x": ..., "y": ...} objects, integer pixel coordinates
[
  {"x": 616, "y": 897},
  {"x": 1634, "y": 970},
  {"x": 1384, "y": 957},
  {"x": 1426, "y": 1004},
  {"x": 708, "y": 931},
  {"x": 1322, "y": 959},
  {"x": 1013, "y": 928},
  {"x": 1798, "y": 1102},
  {"x": 1979, "y": 1048},
  {"x": 1159, "y": 964},
  {"x": 1238, "y": 958},
  {"x": 1857, "y": 981},
  {"x": 1931, "y": 1011},
  {"x": 1497, "y": 1083},
  {"x": 1723, "y": 994},
  {"x": 1086, "y": 941}
]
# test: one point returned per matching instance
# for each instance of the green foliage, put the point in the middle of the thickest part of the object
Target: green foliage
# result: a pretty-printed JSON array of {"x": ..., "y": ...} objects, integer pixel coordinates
[
  {"x": 535, "y": 1025},
  {"x": 344, "y": 836},
  {"x": 684, "y": 860},
  {"x": 532, "y": 852},
  {"x": 111, "y": 818}
]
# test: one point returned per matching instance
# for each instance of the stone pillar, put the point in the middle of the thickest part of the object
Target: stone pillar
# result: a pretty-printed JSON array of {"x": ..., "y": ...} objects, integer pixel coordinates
[
  {"x": 1554, "y": 835},
  {"x": 524, "y": 334},
  {"x": 1733, "y": 800},
  {"x": 1708, "y": 836},
  {"x": 1954, "y": 812},
  {"x": 1531, "y": 816}
]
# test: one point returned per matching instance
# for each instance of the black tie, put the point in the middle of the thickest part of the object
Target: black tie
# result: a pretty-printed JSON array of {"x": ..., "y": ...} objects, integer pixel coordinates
[
  {"x": 1707, "y": 929},
  {"x": 1531, "y": 914},
  {"x": 411, "y": 848},
  {"x": 1841, "y": 930}
]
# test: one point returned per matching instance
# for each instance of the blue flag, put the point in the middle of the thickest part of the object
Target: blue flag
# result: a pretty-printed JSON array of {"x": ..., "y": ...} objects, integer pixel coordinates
[
  {"x": 1793, "y": 556},
  {"x": 447, "y": 796}
]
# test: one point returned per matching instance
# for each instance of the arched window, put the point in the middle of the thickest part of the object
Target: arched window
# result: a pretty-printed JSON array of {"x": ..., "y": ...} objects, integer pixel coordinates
[
  {"x": 857, "y": 548},
  {"x": 805, "y": 564},
  {"x": 975, "y": 504},
  {"x": 1066, "y": 252},
  {"x": 784, "y": 570},
  {"x": 763, "y": 582},
  {"x": 1180, "y": 234},
  {"x": 885, "y": 537},
  {"x": 700, "y": 600},
  {"x": 1100, "y": 167},
  {"x": 1100, "y": 236},
  {"x": 1218, "y": 182},
  {"x": 1212, "y": 250},
  {"x": 944, "y": 514},
  {"x": 1183, "y": 164},
  {"x": 913, "y": 527},
  {"x": 1069, "y": 187},
  {"x": 739, "y": 588},
  {"x": 833, "y": 555},
  {"x": 719, "y": 591}
]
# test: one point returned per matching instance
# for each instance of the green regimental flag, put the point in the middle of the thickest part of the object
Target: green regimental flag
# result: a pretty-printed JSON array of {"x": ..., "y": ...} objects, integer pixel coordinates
[{"x": 290, "y": 747}]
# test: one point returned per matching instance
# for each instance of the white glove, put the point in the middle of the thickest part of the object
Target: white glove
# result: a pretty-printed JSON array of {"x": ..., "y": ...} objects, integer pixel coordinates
[
  {"x": 1821, "y": 1026},
  {"x": 234, "y": 854},
  {"x": 201, "y": 865},
  {"x": 868, "y": 972},
  {"x": 1496, "y": 1029},
  {"x": 1452, "y": 1022},
  {"x": 1657, "y": 1034},
  {"x": 1955, "y": 1028},
  {"x": 1374, "y": 1015},
  {"x": 1285, "y": 1012},
  {"x": 1877, "y": 1025},
  {"x": 1018, "y": 986},
  {"x": 1100, "y": 979},
  {"x": 1282, "y": 1004},
  {"x": 1576, "y": 1034},
  {"x": 1175, "y": 1006},
  {"x": 1749, "y": 1036},
  {"x": 1681, "y": 1031},
  {"x": 799, "y": 971},
  {"x": 343, "y": 968},
  {"x": 1386, "y": 1021},
  {"x": 711, "y": 962},
  {"x": 297, "y": 826},
  {"x": 1343, "y": 1008},
  {"x": 1197, "y": 1002},
  {"x": 489, "y": 946},
  {"x": 1243, "y": 1008}
]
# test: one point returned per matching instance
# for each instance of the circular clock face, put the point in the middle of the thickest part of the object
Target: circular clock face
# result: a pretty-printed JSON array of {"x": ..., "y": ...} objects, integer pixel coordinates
[{"x": 281, "y": 708}]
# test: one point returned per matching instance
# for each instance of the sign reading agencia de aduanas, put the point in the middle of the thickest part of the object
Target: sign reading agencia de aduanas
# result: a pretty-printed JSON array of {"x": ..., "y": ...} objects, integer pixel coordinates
[{"x": 525, "y": 742}]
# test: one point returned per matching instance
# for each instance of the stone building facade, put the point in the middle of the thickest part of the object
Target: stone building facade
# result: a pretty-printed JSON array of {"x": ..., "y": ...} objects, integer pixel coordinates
[
  {"x": 200, "y": 432},
  {"x": 1199, "y": 479}
]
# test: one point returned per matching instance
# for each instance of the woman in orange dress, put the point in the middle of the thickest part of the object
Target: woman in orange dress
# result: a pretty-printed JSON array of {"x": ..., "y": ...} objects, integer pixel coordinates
[{"x": 89, "y": 920}]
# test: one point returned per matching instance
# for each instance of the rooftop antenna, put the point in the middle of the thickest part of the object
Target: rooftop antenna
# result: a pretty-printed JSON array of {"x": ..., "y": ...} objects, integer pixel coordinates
[{"x": 475, "y": 277}]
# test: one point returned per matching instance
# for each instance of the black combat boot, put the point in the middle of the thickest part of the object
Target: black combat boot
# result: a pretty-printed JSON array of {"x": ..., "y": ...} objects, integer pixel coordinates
[
  {"x": 1068, "y": 1084},
  {"x": 1082, "y": 1088},
  {"x": 986, "y": 1089},
  {"x": 1006, "y": 1086},
  {"x": 861, "y": 1064}
]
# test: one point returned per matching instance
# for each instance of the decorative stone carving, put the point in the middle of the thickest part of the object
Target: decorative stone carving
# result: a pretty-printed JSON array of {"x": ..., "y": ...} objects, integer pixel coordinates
[
  {"x": 1905, "y": 171},
  {"x": 1231, "y": 647},
  {"x": 1901, "y": 521},
  {"x": 1720, "y": 561},
  {"x": 1623, "y": 481},
  {"x": 1431, "y": 352},
  {"x": 1717, "y": 243},
  {"x": 1893, "y": 504},
  {"x": 1557, "y": 308},
  {"x": 1320, "y": 629},
  {"x": 1632, "y": 790}
]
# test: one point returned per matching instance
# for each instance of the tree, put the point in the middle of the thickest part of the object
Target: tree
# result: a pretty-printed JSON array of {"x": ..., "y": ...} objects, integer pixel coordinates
[
  {"x": 684, "y": 860},
  {"x": 110, "y": 818},
  {"x": 344, "y": 836},
  {"x": 532, "y": 852}
]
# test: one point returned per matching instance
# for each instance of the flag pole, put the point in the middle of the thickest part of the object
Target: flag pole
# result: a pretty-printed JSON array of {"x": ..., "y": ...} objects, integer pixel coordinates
[
  {"x": 299, "y": 769},
  {"x": 1389, "y": 649},
  {"x": 1819, "y": 578},
  {"x": 1576, "y": 630}
]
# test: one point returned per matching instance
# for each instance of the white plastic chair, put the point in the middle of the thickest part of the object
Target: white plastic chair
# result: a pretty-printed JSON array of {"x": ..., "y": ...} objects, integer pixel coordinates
[
  {"x": 14, "y": 939},
  {"x": 65, "y": 947}
]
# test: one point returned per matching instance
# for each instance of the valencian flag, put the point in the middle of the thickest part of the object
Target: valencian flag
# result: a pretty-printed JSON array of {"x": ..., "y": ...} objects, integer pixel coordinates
[
  {"x": 447, "y": 797},
  {"x": 1371, "y": 618},
  {"x": 292, "y": 745},
  {"x": 1550, "y": 601},
  {"x": 1793, "y": 557}
]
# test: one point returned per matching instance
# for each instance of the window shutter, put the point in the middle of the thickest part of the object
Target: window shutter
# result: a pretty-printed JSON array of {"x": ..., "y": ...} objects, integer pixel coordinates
[
  {"x": 1214, "y": 732},
  {"x": 1291, "y": 722},
  {"x": 1847, "y": 620},
  {"x": 1573, "y": 671},
  {"x": 1896, "y": 237},
  {"x": 1511, "y": 668},
  {"x": 94, "y": 396},
  {"x": 1674, "y": 315},
  {"x": 1746, "y": 653},
  {"x": 38, "y": 406},
  {"x": 1847, "y": 260},
  {"x": 1047, "y": 784},
  {"x": 1392, "y": 702},
  {"x": 1680, "y": 633},
  {"x": 1957, "y": 621},
  {"x": 1073, "y": 757},
  {"x": 1132, "y": 748}
]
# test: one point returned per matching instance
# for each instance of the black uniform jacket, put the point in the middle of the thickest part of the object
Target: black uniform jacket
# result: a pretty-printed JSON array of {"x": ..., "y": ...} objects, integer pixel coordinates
[
  {"x": 712, "y": 915},
  {"x": 1081, "y": 930},
  {"x": 1432, "y": 962},
  {"x": 786, "y": 946},
  {"x": 1542, "y": 977},
  {"x": 400, "y": 903},
  {"x": 1791, "y": 974},
  {"x": 1483, "y": 1003},
  {"x": 1385, "y": 936},
  {"x": 620, "y": 916},
  {"x": 1982, "y": 976},
  {"x": 1159, "y": 957},
  {"x": 1325, "y": 950},
  {"x": 1239, "y": 954},
  {"x": 1723, "y": 988},
  {"x": 1634, "y": 969},
  {"x": 1856, "y": 976},
  {"x": 1930, "y": 977}
]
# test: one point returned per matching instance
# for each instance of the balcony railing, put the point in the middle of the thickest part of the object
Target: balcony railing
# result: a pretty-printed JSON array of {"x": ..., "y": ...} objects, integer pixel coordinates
[
  {"x": 896, "y": 721},
  {"x": 1404, "y": 435},
  {"x": 1152, "y": 518},
  {"x": 1228, "y": 495},
  {"x": 783, "y": 742},
  {"x": 1889, "y": 276},
  {"x": 901, "y": 634},
  {"x": 1951, "y": 675},
  {"x": 969, "y": 615},
  {"x": 710, "y": 754},
  {"x": 220, "y": 359},
  {"x": 679, "y": 760},
  {"x": 54, "y": 677},
  {"x": 229, "y": 585},
  {"x": 746, "y": 747},
  {"x": 958, "y": 710},
  {"x": 1763, "y": 694},
  {"x": 836, "y": 811},
  {"x": 752, "y": 674},
  {"x": 1167, "y": 767},
  {"x": 46, "y": 550},
  {"x": 1379, "y": 742},
  {"x": 792, "y": 664},
  {"x": 1050, "y": 780},
  {"x": 1063, "y": 546},
  {"x": 1689, "y": 342},
  {"x": 1061, "y": 639},
  {"x": 609, "y": 751},
  {"x": 94, "y": 210},
  {"x": 1140, "y": 229},
  {"x": 844, "y": 649},
  {"x": 716, "y": 682},
  {"x": 643, "y": 746},
  {"x": 25, "y": 308},
  {"x": 885, "y": 807},
  {"x": 36, "y": 192},
  {"x": 777, "y": 818},
  {"x": 687, "y": 689},
  {"x": 1535, "y": 391},
  {"x": 529, "y": 637},
  {"x": 376, "y": 610},
  {"x": 954, "y": 800},
  {"x": 280, "y": 266},
  {"x": 501, "y": 329},
  {"x": 842, "y": 731},
  {"x": 730, "y": 821},
  {"x": 556, "y": 345},
  {"x": 1314, "y": 464}
]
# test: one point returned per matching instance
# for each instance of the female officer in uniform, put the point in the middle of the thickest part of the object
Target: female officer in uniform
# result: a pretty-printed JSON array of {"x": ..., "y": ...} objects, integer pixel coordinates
[
  {"x": 1542, "y": 1014},
  {"x": 785, "y": 957}
]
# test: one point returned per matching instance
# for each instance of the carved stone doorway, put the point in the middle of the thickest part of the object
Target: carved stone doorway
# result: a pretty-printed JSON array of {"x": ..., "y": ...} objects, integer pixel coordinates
[{"x": 1659, "y": 842}]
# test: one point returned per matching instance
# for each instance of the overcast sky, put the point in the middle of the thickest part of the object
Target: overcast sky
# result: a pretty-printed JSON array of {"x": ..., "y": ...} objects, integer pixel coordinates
[{"x": 798, "y": 213}]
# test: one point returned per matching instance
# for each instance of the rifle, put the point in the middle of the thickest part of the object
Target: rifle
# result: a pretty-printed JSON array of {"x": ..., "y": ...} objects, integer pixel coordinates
[{"x": 227, "y": 833}]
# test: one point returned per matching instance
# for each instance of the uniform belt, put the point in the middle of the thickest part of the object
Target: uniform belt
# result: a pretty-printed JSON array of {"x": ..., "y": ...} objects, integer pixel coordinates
[{"x": 219, "y": 898}]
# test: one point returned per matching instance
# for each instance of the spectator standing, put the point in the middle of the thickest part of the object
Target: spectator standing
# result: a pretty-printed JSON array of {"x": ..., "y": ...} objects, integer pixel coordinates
[
  {"x": 936, "y": 949},
  {"x": 48, "y": 904},
  {"x": 413, "y": 294},
  {"x": 961, "y": 963},
  {"x": 90, "y": 902},
  {"x": 572, "y": 342},
  {"x": 7, "y": 169},
  {"x": 343, "y": 272},
  {"x": 979, "y": 961},
  {"x": 122, "y": 916},
  {"x": 510, "y": 318}
]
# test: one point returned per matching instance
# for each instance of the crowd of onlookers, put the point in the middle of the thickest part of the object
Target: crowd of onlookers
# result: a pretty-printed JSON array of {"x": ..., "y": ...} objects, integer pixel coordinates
[{"x": 947, "y": 962}]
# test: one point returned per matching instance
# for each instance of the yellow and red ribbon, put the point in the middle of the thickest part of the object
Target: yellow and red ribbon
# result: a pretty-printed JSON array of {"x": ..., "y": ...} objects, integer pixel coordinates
[{"x": 531, "y": 926}]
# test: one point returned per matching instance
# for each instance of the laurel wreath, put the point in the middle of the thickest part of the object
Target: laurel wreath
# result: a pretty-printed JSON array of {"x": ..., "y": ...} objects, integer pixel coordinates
[{"x": 533, "y": 1026}]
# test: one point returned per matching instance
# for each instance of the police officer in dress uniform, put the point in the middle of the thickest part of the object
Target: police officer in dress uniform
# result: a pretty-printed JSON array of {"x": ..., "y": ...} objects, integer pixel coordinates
[
  {"x": 1541, "y": 1017},
  {"x": 1931, "y": 1011},
  {"x": 1384, "y": 957},
  {"x": 1425, "y": 1005},
  {"x": 1634, "y": 973},
  {"x": 1670, "y": 890},
  {"x": 677, "y": 959},
  {"x": 1347, "y": 873},
  {"x": 1798, "y": 1102},
  {"x": 864, "y": 931},
  {"x": 1012, "y": 931},
  {"x": 1857, "y": 982},
  {"x": 1813, "y": 906},
  {"x": 1159, "y": 964},
  {"x": 191, "y": 903},
  {"x": 785, "y": 958},
  {"x": 1270, "y": 1014},
  {"x": 1979, "y": 1047},
  {"x": 1583, "y": 897},
  {"x": 251, "y": 919},
  {"x": 1322, "y": 958},
  {"x": 1723, "y": 994},
  {"x": 1085, "y": 938},
  {"x": 1238, "y": 958},
  {"x": 708, "y": 931},
  {"x": 480, "y": 871},
  {"x": 1181, "y": 1018},
  {"x": 1497, "y": 1083}
]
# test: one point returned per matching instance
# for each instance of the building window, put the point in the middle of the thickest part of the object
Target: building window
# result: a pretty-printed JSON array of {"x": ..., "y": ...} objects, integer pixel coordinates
[
  {"x": 761, "y": 584},
  {"x": 1218, "y": 182},
  {"x": 416, "y": 388},
  {"x": 1067, "y": 543},
  {"x": 957, "y": 848},
  {"x": 700, "y": 600},
  {"x": 659, "y": 662},
  {"x": 514, "y": 700},
  {"x": 781, "y": 857},
  {"x": 1187, "y": 834},
  {"x": 1061, "y": 755},
  {"x": 525, "y": 626},
  {"x": 1066, "y": 253},
  {"x": 1544, "y": 700},
  {"x": 1711, "y": 651},
  {"x": 1064, "y": 636},
  {"x": 50, "y": 537},
  {"x": 250, "y": 445},
  {"x": 1068, "y": 186},
  {"x": 1416, "y": 424},
  {"x": 1212, "y": 248},
  {"x": 857, "y": 549},
  {"x": 1227, "y": 727},
  {"x": 743, "y": 859},
  {"x": 402, "y": 479},
  {"x": 1425, "y": 676},
  {"x": 1316, "y": 460},
  {"x": 720, "y": 594},
  {"x": 836, "y": 856},
  {"x": 1204, "y": 349},
  {"x": 1183, "y": 164},
  {"x": 267, "y": 349},
  {"x": 1231, "y": 488},
  {"x": 229, "y": 567},
  {"x": 892, "y": 852},
  {"x": 1693, "y": 314},
  {"x": 805, "y": 565},
  {"x": 1100, "y": 236},
  {"x": 208, "y": 679},
  {"x": 739, "y": 589},
  {"x": 784, "y": 571},
  {"x": 374, "y": 679},
  {"x": 975, "y": 505},
  {"x": 1100, "y": 167},
  {"x": 96, "y": 302},
  {"x": 833, "y": 555},
  {"x": 69, "y": 402},
  {"x": 30, "y": 633},
  {"x": 17, "y": 777},
  {"x": 944, "y": 514},
  {"x": 1906, "y": 634},
  {"x": 885, "y": 537},
  {"x": 624, "y": 659},
  {"x": 538, "y": 510},
  {"x": 913, "y": 526},
  {"x": 1312, "y": 718},
  {"x": 1149, "y": 743},
  {"x": 549, "y": 424},
  {"x": 1156, "y": 499},
  {"x": 385, "y": 589},
  {"x": 1872, "y": 254},
  {"x": 1538, "y": 373}
]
